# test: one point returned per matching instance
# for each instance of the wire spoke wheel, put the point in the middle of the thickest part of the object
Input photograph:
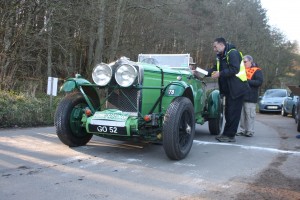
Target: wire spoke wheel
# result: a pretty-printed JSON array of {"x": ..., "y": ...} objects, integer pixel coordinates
[
  {"x": 179, "y": 128},
  {"x": 67, "y": 121}
]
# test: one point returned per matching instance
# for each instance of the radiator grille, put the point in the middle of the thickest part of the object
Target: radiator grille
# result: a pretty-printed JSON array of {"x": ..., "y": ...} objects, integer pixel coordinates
[{"x": 125, "y": 99}]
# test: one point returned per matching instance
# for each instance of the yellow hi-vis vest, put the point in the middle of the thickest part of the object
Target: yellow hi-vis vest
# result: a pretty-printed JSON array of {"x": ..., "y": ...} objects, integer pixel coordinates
[{"x": 242, "y": 73}]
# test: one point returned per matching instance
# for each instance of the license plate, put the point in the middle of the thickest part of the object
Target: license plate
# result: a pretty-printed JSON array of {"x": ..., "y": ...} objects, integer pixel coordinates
[
  {"x": 113, "y": 130},
  {"x": 108, "y": 127},
  {"x": 272, "y": 107}
]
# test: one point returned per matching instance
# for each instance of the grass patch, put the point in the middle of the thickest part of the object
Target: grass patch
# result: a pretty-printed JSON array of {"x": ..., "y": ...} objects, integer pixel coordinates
[{"x": 20, "y": 110}]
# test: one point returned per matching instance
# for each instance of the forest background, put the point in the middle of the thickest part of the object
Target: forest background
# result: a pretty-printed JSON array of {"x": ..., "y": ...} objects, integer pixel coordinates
[{"x": 54, "y": 38}]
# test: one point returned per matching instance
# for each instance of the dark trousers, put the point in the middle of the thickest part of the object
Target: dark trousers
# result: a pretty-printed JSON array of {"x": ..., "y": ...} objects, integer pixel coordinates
[{"x": 233, "y": 109}]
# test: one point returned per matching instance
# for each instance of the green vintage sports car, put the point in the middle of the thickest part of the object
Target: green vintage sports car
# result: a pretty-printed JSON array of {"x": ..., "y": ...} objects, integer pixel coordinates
[{"x": 156, "y": 99}]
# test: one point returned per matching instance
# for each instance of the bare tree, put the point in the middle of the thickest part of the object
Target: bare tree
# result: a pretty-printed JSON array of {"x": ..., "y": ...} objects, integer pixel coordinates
[
  {"x": 100, "y": 33},
  {"x": 61, "y": 38}
]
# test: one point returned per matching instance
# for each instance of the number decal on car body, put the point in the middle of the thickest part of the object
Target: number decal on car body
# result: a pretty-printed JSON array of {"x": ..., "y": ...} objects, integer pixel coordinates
[{"x": 171, "y": 92}]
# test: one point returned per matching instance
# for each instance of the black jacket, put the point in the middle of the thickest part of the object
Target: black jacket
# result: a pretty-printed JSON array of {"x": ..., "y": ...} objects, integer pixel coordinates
[
  {"x": 229, "y": 83},
  {"x": 255, "y": 82}
]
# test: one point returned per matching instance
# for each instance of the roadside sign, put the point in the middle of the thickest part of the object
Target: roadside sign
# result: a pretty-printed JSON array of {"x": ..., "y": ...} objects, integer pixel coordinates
[{"x": 52, "y": 86}]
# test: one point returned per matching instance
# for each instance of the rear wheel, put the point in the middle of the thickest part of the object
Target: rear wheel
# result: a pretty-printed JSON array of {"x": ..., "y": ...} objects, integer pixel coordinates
[
  {"x": 179, "y": 128},
  {"x": 67, "y": 121},
  {"x": 215, "y": 124}
]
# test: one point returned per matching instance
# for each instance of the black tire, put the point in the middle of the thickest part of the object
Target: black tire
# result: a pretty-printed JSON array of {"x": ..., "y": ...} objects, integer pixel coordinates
[
  {"x": 179, "y": 128},
  {"x": 294, "y": 112},
  {"x": 298, "y": 125},
  {"x": 215, "y": 125},
  {"x": 283, "y": 113},
  {"x": 68, "y": 123}
]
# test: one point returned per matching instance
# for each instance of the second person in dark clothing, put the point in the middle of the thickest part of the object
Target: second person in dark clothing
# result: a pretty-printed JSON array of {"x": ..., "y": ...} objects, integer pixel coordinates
[
  {"x": 233, "y": 85},
  {"x": 255, "y": 80}
]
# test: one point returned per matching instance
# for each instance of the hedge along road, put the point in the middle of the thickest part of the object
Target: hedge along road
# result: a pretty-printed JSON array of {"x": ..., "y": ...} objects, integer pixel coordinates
[{"x": 36, "y": 165}]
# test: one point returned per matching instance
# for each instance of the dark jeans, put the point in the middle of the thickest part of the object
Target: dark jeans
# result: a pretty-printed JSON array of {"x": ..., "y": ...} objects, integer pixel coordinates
[{"x": 233, "y": 109}]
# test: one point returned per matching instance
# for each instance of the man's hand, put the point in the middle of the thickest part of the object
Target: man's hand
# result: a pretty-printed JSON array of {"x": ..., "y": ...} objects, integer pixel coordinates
[{"x": 215, "y": 74}]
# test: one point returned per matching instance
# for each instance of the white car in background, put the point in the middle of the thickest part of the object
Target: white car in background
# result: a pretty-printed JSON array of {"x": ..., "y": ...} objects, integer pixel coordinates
[{"x": 272, "y": 100}]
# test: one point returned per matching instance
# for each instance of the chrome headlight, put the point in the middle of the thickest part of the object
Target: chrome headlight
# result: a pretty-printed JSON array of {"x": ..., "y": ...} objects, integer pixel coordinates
[
  {"x": 125, "y": 75},
  {"x": 102, "y": 74}
]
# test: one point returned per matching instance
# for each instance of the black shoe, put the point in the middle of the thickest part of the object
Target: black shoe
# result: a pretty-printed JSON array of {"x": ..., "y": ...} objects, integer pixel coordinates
[
  {"x": 224, "y": 138},
  {"x": 241, "y": 133},
  {"x": 248, "y": 134},
  {"x": 220, "y": 136}
]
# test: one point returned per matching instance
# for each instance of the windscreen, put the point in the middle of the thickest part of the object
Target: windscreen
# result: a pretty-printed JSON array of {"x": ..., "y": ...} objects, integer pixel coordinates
[
  {"x": 166, "y": 60},
  {"x": 276, "y": 93}
]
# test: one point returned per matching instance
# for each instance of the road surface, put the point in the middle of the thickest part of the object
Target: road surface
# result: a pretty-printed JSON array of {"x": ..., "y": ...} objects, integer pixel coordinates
[{"x": 34, "y": 164}]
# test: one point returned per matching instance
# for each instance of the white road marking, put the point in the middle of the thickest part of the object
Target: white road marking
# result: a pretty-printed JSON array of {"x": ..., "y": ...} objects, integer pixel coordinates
[
  {"x": 133, "y": 160},
  {"x": 248, "y": 147},
  {"x": 185, "y": 164}
]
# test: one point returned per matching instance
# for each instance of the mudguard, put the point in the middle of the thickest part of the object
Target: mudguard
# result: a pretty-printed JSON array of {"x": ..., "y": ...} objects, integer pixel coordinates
[
  {"x": 86, "y": 88},
  {"x": 72, "y": 83},
  {"x": 175, "y": 89},
  {"x": 214, "y": 104}
]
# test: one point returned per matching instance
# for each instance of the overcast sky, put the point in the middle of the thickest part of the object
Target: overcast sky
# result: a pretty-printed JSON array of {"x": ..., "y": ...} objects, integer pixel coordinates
[{"x": 285, "y": 15}]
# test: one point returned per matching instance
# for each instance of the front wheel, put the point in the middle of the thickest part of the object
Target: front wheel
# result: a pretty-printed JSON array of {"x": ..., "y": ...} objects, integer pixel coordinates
[
  {"x": 296, "y": 116},
  {"x": 283, "y": 113},
  {"x": 298, "y": 122},
  {"x": 67, "y": 121},
  {"x": 179, "y": 128}
]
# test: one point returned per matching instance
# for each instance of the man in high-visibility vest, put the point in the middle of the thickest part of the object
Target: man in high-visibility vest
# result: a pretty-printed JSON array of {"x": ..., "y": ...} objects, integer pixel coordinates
[
  {"x": 255, "y": 80},
  {"x": 231, "y": 74}
]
